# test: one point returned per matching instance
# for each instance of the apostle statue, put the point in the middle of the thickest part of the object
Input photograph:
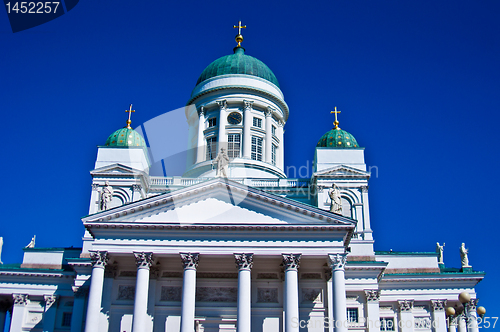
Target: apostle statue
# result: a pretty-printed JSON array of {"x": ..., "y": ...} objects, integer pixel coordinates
[
  {"x": 222, "y": 161},
  {"x": 439, "y": 251},
  {"x": 106, "y": 196},
  {"x": 32, "y": 243},
  {"x": 463, "y": 256},
  {"x": 336, "y": 200}
]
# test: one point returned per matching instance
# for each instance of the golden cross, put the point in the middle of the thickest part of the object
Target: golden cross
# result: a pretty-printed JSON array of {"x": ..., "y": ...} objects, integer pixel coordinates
[
  {"x": 336, "y": 123},
  {"x": 239, "y": 26},
  {"x": 129, "y": 111}
]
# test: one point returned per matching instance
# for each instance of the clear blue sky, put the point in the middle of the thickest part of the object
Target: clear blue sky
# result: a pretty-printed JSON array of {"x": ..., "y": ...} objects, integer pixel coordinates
[{"x": 417, "y": 83}]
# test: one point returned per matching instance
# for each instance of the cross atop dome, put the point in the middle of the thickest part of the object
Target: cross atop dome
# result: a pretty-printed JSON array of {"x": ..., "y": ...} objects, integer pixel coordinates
[
  {"x": 239, "y": 36},
  {"x": 336, "y": 123},
  {"x": 129, "y": 111}
]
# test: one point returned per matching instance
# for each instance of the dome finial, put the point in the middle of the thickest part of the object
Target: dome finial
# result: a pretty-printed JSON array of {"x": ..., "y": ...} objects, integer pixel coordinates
[
  {"x": 239, "y": 37},
  {"x": 129, "y": 111},
  {"x": 336, "y": 123}
]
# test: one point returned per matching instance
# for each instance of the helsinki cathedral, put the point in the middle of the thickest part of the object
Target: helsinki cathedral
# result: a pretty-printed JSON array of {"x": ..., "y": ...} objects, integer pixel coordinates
[{"x": 233, "y": 244}]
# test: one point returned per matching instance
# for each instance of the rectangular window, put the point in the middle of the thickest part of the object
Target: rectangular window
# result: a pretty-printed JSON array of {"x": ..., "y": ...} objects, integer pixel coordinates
[
  {"x": 211, "y": 147},
  {"x": 273, "y": 130},
  {"x": 386, "y": 324},
  {"x": 66, "y": 319},
  {"x": 257, "y": 122},
  {"x": 273, "y": 154},
  {"x": 212, "y": 122},
  {"x": 256, "y": 148},
  {"x": 352, "y": 315},
  {"x": 233, "y": 145}
]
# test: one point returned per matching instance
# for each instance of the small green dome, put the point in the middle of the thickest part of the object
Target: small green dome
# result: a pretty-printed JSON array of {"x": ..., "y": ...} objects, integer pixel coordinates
[
  {"x": 125, "y": 137},
  {"x": 238, "y": 63},
  {"x": 338, "y": 138}
]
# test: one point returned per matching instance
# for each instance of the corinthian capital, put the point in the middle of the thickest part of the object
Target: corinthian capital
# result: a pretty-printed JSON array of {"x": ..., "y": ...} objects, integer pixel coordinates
[
  {"x": 405, "y": 305},
  {"x": 372, "y": 295},
  {"x": 244, "y": 261},
  {"x": 291, "y": 261},
  {"x": 268, "y": 111},
  {"x": 438, "y": 305},
  {"x": 189, "y": 260},
  {"x": 143, "y": 259},
  {"x": 201, "y": 111},
  {"x": 222, "y": 104},
  {"x": 49, "y": 300},
  {"x": 20, "y": 299},
  {"x": 248, "y": 104},
  {"x": 99, "y": 258},
  {"x": 337, "y": 261}
]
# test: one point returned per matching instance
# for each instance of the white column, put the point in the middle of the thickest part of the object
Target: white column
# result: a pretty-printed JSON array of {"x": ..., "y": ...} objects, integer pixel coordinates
[
  {"x": 18, "y": 312},
  {"x": 462, "y": 326},
  {"x": 190, "y": 262},
  {"x": 452, "y": 323},
  {"x": 143, "y": 260},
  {"x": 49, "y": 315},
  {"x": 78, "y": 308},
  {"x": 269, "y": 136},
  {"x": 291, "y": 297},
  {"x": 329, "y": 294},
  {"x": 438, "y": 315},
  {"x": 373, "y": 310},
  {"x": 406, "y": 320},
  {"x": 221, "y": 138},
  {"x": 99, "y": 261},
  {"x": 337, "y": 263},
  {"x": 200, "y": 149},
  {"x": 244, "y": 262},
  {"x": 472, "y": 323},
  {"x": 280, "y": 158},
  {"x": 247, "y": 125}
]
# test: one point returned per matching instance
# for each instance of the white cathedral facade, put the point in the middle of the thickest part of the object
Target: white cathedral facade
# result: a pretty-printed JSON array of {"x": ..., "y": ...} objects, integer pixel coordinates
[{"x": 233, "y": 244}]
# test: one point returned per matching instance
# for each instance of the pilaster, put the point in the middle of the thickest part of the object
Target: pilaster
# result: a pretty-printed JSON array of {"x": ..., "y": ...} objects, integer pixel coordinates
[
  {"x": 373, "y": 309},
  {"x": 49, "y": 315},
  {"x": 406, "y": 320}
]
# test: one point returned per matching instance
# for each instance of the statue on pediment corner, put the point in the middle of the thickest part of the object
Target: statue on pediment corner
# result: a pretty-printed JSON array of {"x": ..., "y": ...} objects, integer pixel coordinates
[
  {"x": 335, "y": 199},
  {"x": 464, "y": 255},
  {"x": 222, "y": 161},
  {"x": 106, "y": 196}
]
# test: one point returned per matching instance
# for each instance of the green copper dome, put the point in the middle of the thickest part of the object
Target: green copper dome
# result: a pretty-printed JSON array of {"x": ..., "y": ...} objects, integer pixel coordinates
[
  {"x": 238, "y": 63},
  {"x": 125, "y": 137},
  {"x": 338, "y": 138}
]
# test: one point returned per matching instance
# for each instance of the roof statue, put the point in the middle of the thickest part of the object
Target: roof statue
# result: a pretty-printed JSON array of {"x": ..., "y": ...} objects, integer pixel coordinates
[
  {"x": 464, "y": 256},
  {"x": 32, "y": 242},
  {"x": 106, "y": 196},
  {"x": 439, "y": 251},
  {"x": 222, "y": 161},
  {"x": 336, "y": 200}
]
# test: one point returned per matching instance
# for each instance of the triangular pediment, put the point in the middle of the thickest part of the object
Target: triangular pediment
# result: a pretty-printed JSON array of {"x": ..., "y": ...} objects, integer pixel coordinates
[
  {"x": 219, "y": 202},
  {"x": 116, "y": 169},
  {"x": 342, "y": 171}
]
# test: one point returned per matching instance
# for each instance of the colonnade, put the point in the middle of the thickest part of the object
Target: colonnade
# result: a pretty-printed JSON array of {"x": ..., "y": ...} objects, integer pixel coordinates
[{"x": 244, "y": 263}]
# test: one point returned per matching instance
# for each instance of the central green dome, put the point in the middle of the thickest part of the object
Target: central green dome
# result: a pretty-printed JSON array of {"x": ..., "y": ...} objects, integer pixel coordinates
[
  {"x": 125, "y": 137},
  {"x": 337, "y": 138},
  {"x": 238, "y": 63}
]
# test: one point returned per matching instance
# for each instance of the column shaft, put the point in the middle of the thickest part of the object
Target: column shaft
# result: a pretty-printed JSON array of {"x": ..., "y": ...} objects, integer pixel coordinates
[
  {"x": 462, "y": 326},
  {"x": 200, "y": 151},
  {"x": 99, "y": 261},
  {"x": 269, "y": 136},
  {"x": 18, "y": 312},
  {"x": 337, "y": 262},
  {"x": 244, "y": 262},
  {"x": 222, "y": 137},
  {"x": 291, "y": 296},
  {"x": 143, "y": 261},
  {"x": 78, "y": 308},
  {"x": 190, "y": 262},
  {"x": 247, "y": 124}
]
